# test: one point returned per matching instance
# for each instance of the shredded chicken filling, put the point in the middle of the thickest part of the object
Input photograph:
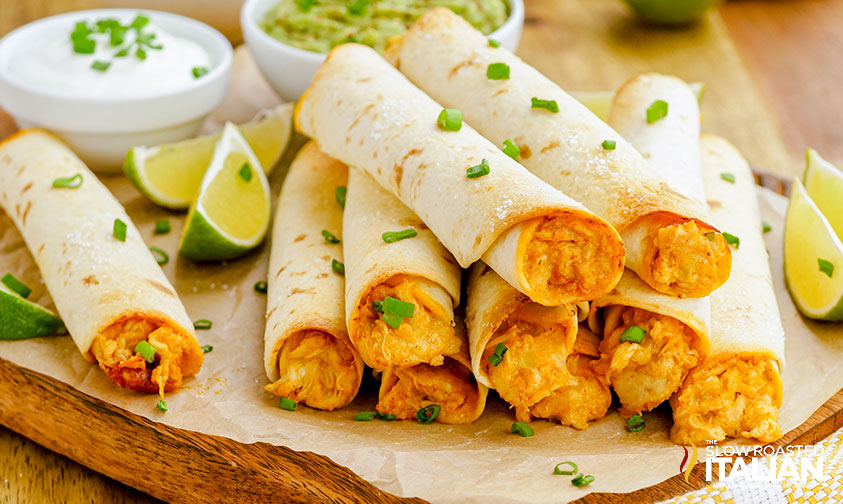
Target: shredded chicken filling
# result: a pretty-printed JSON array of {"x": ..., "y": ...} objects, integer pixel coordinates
[
  {"x": 426, "y": 337},
  {"x": 735, "y": 398},
  {"x": 645, "y": 374},
  {"x": 688, "y": 259},
  {"x": 451, "y": 386},
  {"x": 316, "y": 369},
  {"x": 114, "y": 350}
]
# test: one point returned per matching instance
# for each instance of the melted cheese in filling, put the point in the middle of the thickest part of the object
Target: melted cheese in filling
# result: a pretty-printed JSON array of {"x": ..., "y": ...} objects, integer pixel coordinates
[
  {"x": 175, "y": 355},
  {"x": 645, "y": 374},
  {"x": 737, "y": 397},
  {"x": 537, "y": 342},
  {"x": 316, "y": 369},
  {"x": 451, "y": 386},
  {"x": 426, "y": 337}
]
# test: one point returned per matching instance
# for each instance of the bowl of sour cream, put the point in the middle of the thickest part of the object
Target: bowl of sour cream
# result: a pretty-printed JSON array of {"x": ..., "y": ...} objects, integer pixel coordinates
[{"x": 109, "y": 79}]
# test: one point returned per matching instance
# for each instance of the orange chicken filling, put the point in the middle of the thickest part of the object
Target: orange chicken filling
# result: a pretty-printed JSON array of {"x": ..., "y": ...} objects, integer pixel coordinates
[
  {"x": 451, "y": 386},
  {"x": 537, "y": 339},
  {"x": 737, "y": 397},
  {"x": 645, "y": 374},
  {"x": 175, "y": 355},
  {"x": 316, "y": 369},
  {"x": 426, "y": 337}
]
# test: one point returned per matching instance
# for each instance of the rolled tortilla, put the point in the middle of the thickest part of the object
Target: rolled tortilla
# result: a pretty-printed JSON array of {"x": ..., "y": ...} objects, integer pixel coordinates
[
  {"x": 586, "y": 398},
  {"x": 416, "y": 270},
  {"x": 447, "y": 58},
  {"x": 538, "y": 339},
  {"x": 308, "y": 355},
  {"x": 362, "y": 111},
  {"x": 110, "y": 293},
  {"x": 405, "y": 390},
  {"x": 737, "y": 390}
]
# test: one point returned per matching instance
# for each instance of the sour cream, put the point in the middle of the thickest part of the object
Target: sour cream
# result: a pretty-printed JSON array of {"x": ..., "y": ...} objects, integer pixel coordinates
[{"x": 50, "y": 64}]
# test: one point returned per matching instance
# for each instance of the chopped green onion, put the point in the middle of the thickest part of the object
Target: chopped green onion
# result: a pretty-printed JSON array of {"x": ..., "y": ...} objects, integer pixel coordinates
[
  {"x": 497, "y": 71},
  {"x": 582, "y": 480},
  {"x": 162, "y": 405},
  {"x": 428, "y": 414},
  {"x": 634, "y": 334},
  {"x": 728, "y": 177},
  {"x": 377, "y": 306},
  {"x": 398, "y": 307},
  {"x": 139, "y": 22},
  {"x": 609, "y": 144},
  {"x": 203, "y": 324},
  {"x": 245, "y": 172},
  {"x": 498, "y": 354},
  {"x": 103, "y": 25},
  {"x": 766, "y": 227},
  {"x": 710, "y": 235},
  {"x": 161, "y": 257},
  {"x": 478, "y": 170},
  {"x": 450, "y": 119},
  {"x": 162, "y": 226},
  {"x": 329, "y": 237},
  {"x": 82, "y": 42},
  {"x": 635, "y": 423},
  {"x": 287, "y": 404},
  {"x": 387, "y": 416},
  {"x": 119, "y": 230},
  {"x": 198, "y": 71},
  {"x": 101, "y": 66},
  {"x": 338, "y": 267},
  {"x": 826, "y": 267},
  {"x": 122, "y": 53},
  {"x": 365, "y": 416},
  {"x": 732, "y": 239},
  {"x": 394, "y": 236},
  {"x": 16, "y": 285},
  {"x": 146, "y": 350},
  {"x": 117, "y": 34},
  {"x": 521, "y": 428},
  {"x": 549, "y": 105},
  {"x": 494, "y": 43},
  {"x": 207, "y": 348},
  {"x": 140, "y": 53},
  {"x": 357, "y": 7},
  {"x": 656, "y": 111},
  {"x": 340, "y": 193},
  {"x": 260, "y": 286},
  {"x": 71, "y": 182},
  {"x": 559, "y": 470},
  {"x": 305, "y": 5},
  {"x": 392, "y": 320},
  {"x": 510, "y": 149}
]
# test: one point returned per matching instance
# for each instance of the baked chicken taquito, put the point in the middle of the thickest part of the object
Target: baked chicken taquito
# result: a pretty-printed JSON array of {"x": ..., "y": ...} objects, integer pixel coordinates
[
  {"x": 308, "y": 355},
  {"x": 115, "y": 301},
  {"x": 401, "y": 283},
  {"x": 737, "y": 390},
  {"x": 567, "y": 146},
  {"x": 474, "y": 197}
]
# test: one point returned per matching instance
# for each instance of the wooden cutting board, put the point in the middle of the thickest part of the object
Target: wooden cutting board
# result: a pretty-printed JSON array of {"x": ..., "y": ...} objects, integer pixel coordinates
[{"x": 581, "y": 44}]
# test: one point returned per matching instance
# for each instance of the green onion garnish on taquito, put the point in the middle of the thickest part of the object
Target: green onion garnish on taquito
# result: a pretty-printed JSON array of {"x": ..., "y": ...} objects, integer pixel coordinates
[
  {"x": 737, "y": 390},
  {"x": 362, "y": 111},
  {"x": 308, "y": 355},
  {"x": 111, "y": 293},
  {"x": 562, "y": 144},
  {"x": 399, "y": 295},
  {"x": 518, "y": 347}
]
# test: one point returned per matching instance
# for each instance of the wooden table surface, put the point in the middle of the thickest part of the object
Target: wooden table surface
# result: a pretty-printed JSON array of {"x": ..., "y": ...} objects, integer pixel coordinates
[{"x": 792, "y": 49}]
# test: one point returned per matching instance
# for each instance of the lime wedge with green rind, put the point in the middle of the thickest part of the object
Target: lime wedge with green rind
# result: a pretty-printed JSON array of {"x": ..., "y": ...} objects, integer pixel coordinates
[
  {"x": 21, "y": 319},
  {"x": 170, "y": 174},
  {"x": 809, "y": 238},
  {"x": 598, "y": 102},
  {"x": 824, "y": 184},
  {"x": 230, "y": 214}
]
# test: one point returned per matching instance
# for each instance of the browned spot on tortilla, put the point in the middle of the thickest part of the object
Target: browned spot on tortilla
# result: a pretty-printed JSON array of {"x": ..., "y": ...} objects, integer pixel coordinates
[
  {"x": 422, "y": 166},
  {"x": 339, "y": 102},
  {"x": 20, "y": 170},
  {"x": 326, "y": 258},
  {"x": 161, "y": 287},
  {"x": 375, "y": 155},
  {"x": 379, "y": 171},
  {"x": 714, "y": 204},
  {"x": 500, "y": 92},
  {"x": 17, "y": 210},
  {"x": 280, "y": 271},
  {"x": 552, "y": 145},
  {"x": 477, "y": 240},
  {"x": 364, "y": 79},
  {"x": 6, "y": 158},
  {"x": 399, "y": 174},
  {"x": 449, "y": 258},
  {"x": 90, "y": 280},
  {"x": 299, "y": 238},
  {"x": 564, "y": 173},
  {"x": 458, "y": 67},
  {"x": 322, "y": 275},
  {"x": 361, "y": 142},
  {"x": 645, "y": 155},
  {"x": 298, "y": 273},
  {"x": 26, "y": 187},
  {"x": 41, "y": 248},
  {"x": 485, "y": 269},
  {"x": 26, "y": 211},
  {"x": 525, "y": 152},
  {"x": 268, "y": 315},
  {"x": 360, "y": 115},
  {"x": 301, "y": 291},
  {"x": 379, "y": 96}
]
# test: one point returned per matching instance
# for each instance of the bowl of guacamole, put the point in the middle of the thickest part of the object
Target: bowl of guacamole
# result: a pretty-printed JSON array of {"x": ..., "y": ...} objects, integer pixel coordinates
[{"x": 290, "y": 38}]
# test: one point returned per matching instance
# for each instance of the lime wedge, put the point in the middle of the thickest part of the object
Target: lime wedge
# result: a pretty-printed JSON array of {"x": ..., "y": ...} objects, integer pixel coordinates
[
  {"x": 824, "y": 184},
  {"x": 170, "y": 174},
  {"x": 813, "y": 259},
  {"x": 21, "y": 319},
  {"x": 598, "y": 102},
  {"x": 230, "y": 214}
]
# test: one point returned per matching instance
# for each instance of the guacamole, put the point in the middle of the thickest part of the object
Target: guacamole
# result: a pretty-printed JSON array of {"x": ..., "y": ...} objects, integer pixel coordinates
[{"x": 319, "y": 25}]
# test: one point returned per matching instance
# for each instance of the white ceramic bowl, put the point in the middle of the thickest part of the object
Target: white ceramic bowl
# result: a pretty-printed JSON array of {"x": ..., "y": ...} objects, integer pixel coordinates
[
  {"x": 102, "y": 130},
  {"x": 289, "y": 70}
]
